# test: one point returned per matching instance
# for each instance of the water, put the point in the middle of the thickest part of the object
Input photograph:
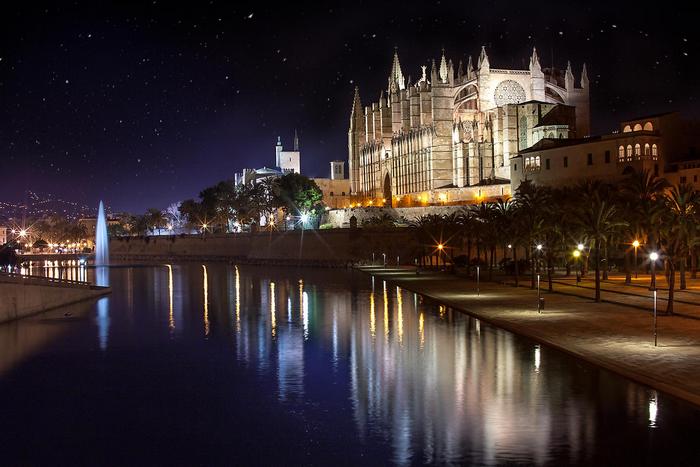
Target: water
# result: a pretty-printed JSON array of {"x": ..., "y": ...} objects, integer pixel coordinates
[
  {"x": 101, "y": 248},
  {"x": 217, "y": 364}
]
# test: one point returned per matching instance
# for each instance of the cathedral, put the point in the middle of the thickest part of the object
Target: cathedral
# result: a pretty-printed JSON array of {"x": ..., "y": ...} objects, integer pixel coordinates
[{"x": 449, "y": 137}]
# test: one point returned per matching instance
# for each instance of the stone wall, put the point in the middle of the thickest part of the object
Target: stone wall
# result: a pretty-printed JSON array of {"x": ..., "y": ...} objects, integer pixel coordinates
[
  {"x": 332, "y": 246},
  {"x": 20, "y": 299},
  {"x": 340, "y": 218}
]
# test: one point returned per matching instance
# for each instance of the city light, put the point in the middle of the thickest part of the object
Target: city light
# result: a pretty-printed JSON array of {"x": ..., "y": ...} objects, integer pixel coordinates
[
  {"x": 580, "y": 247},
  {"x": 539, "y": 247},
  {"x": 304, "y": 218},
  {"x": 577, "y": 253},
  {"x": 440, "y": 246},
  {"x": 23, "y": 233},
  {"x": 635, "y": 243},
  {"x": 653, "y": 256}
]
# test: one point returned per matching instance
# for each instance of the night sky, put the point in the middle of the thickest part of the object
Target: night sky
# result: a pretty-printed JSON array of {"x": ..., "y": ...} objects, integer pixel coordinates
[{"x": 146, "y": 103}]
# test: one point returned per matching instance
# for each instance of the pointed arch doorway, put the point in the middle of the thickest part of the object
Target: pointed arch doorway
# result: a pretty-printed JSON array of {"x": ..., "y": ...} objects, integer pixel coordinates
[{"x": 387, "y": 191}]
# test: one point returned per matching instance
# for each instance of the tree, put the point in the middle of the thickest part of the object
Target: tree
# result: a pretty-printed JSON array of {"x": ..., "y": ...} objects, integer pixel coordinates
[
  {"x": 598, "y": 220},
  {"x": 175, "y": 218},
  {"x": 297, "y": 194},
  {"x": 155, "y": 218},
  {"x": 643, "y": 193},
  {"x": 531, "y": 201},
  {"x": 677, "y": 233}
]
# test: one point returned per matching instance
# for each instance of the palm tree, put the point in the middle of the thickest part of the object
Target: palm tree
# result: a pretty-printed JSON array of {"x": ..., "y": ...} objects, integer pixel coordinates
[
  {"x": 677, "y": 232},
  {"x": 507, "y": 228},
  {"x": 598, "y": 220},
  {"x": 643, "y": 191},
  {"x": 531, "y": 202}
]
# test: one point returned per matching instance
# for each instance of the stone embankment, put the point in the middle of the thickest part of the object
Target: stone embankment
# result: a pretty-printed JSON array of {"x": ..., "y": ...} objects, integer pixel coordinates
[
  {"x": 316, "y": 248},
  {"x": 22, "y": 296}
]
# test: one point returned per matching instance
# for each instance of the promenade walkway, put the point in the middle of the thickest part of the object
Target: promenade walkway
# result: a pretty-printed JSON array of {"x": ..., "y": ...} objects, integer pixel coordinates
[{"x": 615, "y": 334}]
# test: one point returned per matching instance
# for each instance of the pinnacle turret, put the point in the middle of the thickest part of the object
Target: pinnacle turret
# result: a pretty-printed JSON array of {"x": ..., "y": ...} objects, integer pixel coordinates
[
  {"x": 568, "y": 77},
  {"x": 443, "y": 68},
  {"x": 483, "y": 59},
  {"x": 535, "y": 62},
  {"x": 396, "y": 73}
]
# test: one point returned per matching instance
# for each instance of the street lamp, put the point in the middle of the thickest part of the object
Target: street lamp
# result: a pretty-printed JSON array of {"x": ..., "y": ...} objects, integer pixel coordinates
[
  {"x": 477, "y": 280},
  {"x": 635, "y": 244},
  {"x": 577, "y": 254},
  {"x": 653, "y": 256},
  {"x": 440, "y": 248},
  {"x": 539, "y": 297}
]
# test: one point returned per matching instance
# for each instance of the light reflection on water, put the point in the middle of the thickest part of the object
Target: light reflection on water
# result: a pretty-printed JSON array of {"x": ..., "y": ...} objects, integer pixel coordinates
[{"x": 422, "y": 383}]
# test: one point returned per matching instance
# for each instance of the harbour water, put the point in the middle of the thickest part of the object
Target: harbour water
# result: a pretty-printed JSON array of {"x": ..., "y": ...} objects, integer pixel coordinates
[{"x": 223, "y": 364}]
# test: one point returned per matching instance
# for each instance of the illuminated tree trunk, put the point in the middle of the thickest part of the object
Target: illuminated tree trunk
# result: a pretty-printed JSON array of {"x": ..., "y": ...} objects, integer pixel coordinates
[
  {"x": 693, "y": 263},
  {"x": 515, "y": 262},
  {"x": 596, "y": 262},
  {"x": 681, "y": 270},
  {"x": 671, "y": 285}
]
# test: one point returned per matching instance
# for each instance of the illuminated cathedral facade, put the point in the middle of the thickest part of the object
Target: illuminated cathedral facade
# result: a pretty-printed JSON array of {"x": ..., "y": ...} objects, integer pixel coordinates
[{"x": 448, "y": 137}]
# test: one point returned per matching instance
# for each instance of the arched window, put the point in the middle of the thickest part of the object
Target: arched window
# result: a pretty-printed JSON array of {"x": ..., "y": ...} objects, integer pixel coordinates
[
  {"x": 654, "y": 151},
  {"x": 637, "y": 127},
  {"x": 629, "y": 152},
  {"x": 637, "y": 150},
  {"x": 627, "y": 129},
  {"x": 648, "y": 126},
  {"x": 647, "y": 149},
  {"x": 621, "y": 153}
]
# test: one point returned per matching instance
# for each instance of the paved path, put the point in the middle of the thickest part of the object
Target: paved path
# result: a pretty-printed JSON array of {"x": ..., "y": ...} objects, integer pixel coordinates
[{"x": 611, "y": 335}]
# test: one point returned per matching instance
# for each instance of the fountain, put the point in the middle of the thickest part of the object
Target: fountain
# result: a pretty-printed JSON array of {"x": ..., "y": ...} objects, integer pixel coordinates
[{"x": 101, "y": 248}]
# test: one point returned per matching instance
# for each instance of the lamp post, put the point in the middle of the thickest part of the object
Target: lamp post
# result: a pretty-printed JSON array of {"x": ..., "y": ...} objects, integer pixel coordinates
[
  {"x": 539, "y": 297},
  {"x": 440, "y": 248},
  {"x": 577, "y": 254},
  {"x": 635, "y": 244},
  {"x": 653, "y": 256},
  {"x": 580, "y": 248},
  {"x": 477, "y": 281}
]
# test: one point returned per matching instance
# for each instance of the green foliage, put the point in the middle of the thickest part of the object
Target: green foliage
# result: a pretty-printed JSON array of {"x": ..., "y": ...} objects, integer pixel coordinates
[{"x": 297, "y": 193}]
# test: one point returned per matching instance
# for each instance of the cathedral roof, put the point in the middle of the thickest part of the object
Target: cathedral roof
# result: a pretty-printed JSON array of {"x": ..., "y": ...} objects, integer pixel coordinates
[
  {"x": 559, "y": 115},
  {"x": 552, "y": 143}
]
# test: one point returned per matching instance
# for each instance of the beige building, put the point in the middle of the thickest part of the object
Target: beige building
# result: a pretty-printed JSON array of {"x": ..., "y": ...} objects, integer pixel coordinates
[
  {"x": 449, "y": 136},
  {"x": 336, "y": 189},
  {"x": 652, "y": 143},
  {"x": 3, "y": 235}
]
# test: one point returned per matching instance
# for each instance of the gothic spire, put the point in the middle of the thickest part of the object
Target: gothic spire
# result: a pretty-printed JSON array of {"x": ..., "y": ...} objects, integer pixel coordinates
[
  {"x": 470, "y": 68},
  {"x": 443, "y": 68},
  {"x": 483, "y": 58},
  {"x": 356, "y": 103},
  {"x": 460, "y": 71},
  {"x": 296, "y": 140},
  {"x": 535, "y": 61},
  {"x": 584, "y": 77},
  {"x": 568, "y": 77},
  {"x": 433, "y": 73},
  {"x": 396, "y": 74}
]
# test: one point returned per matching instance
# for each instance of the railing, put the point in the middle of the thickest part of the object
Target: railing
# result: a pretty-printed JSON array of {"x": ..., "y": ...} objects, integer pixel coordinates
[{"x": 11, "y": 278}]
